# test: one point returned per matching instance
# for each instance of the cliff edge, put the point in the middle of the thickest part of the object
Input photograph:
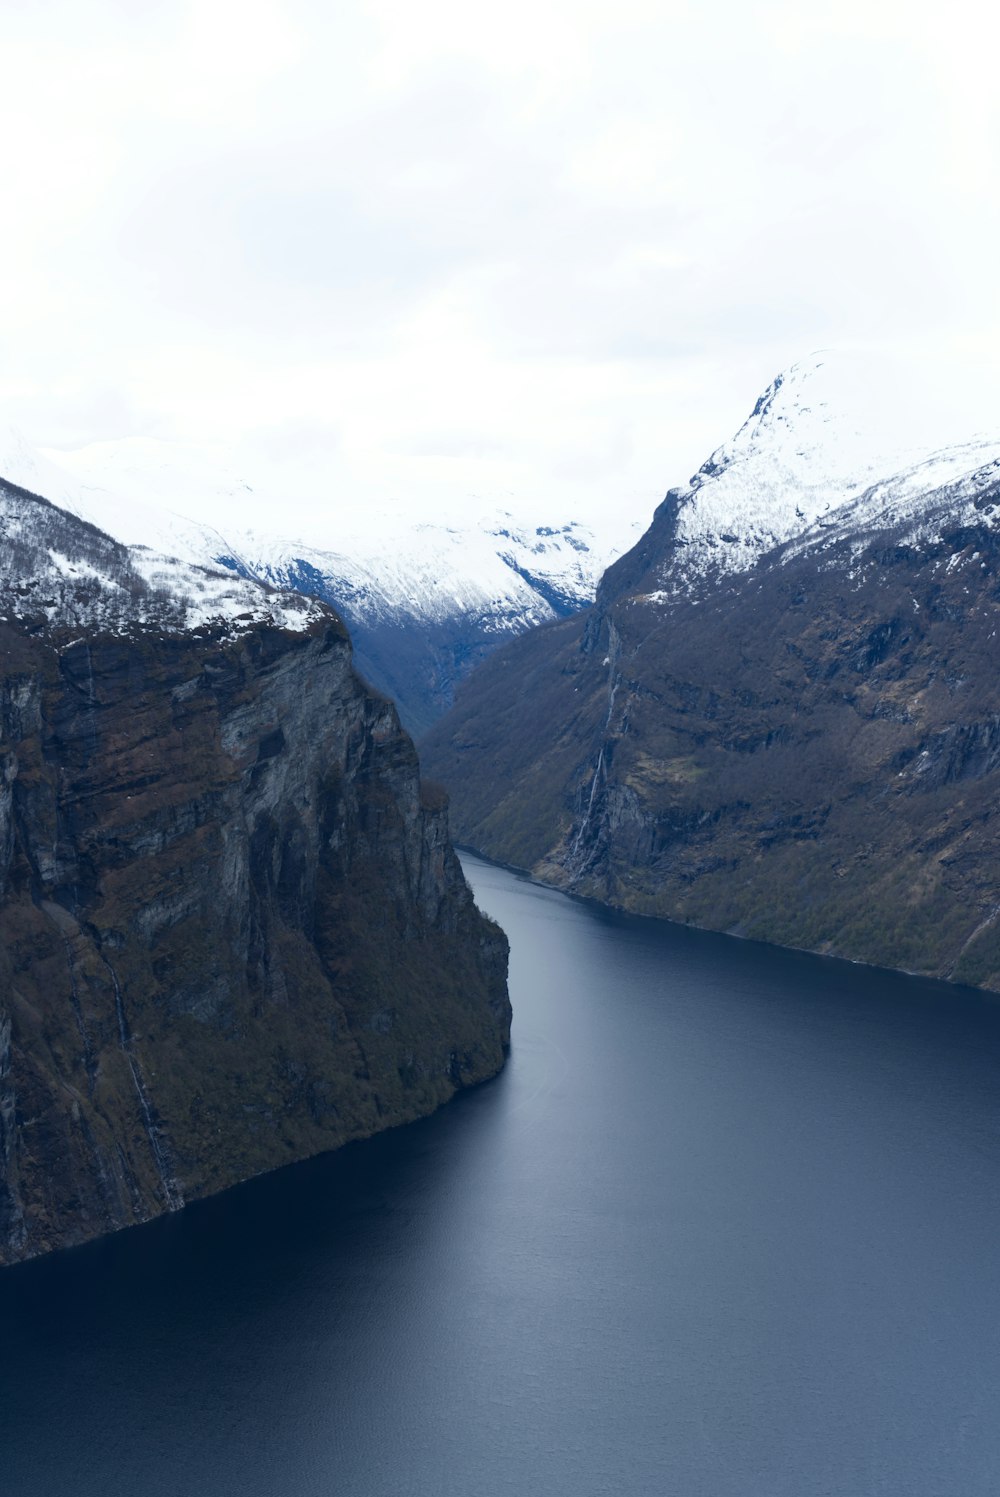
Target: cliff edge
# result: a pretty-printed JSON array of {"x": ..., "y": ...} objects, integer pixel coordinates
[{"x": 233, "y": 930}]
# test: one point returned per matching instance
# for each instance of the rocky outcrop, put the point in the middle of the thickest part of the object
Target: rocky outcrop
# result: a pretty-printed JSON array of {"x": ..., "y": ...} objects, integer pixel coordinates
[{"x": 233, "y": 930}]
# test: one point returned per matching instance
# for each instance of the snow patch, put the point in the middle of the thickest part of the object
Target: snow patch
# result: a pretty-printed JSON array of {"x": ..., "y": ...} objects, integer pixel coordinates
[
  {"x": 59, "y": 573},
  {"x": 507, "y": 566},
  {"x": 836, "y": 443}
]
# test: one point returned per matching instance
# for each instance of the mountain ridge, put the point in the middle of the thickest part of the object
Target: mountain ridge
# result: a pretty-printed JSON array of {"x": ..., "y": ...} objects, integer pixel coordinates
[
  {"x": 794, "y": 744},
  {"x": 423, "y": 598}
]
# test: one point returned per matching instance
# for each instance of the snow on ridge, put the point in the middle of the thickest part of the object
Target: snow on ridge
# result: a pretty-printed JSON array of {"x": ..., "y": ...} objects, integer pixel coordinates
[
  {"x": 834, "y": 437},
  {"x": 212, "y": 597},
  {"x": 942, "y": 491},
  {"x": 434, "y": 572},
  {"x": 378, "y": 561},
  {"x": 24, "y": 465},
  {"x": 58, "y": 573},
  {"x": 381, "y": 564}
]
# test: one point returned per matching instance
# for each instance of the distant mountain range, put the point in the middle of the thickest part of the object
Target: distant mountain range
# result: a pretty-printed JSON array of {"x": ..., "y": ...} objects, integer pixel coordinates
[
  {"x": 782, "y": 715},
  {"x": 425, "y": 596}
]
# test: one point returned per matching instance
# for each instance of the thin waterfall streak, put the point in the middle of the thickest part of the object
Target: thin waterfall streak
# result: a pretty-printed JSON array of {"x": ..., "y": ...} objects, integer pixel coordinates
[
  {"x": 613, "y": 684},
  {"x": 171, "y": 1189}
]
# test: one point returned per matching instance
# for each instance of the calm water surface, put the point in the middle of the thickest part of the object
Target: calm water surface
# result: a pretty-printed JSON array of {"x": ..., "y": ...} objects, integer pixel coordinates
[{"x": 728, "y": 1226}]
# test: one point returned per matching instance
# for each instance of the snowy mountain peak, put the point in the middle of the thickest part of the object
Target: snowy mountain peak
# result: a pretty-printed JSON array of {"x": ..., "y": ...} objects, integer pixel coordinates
[{"x": 825, "y": 433}]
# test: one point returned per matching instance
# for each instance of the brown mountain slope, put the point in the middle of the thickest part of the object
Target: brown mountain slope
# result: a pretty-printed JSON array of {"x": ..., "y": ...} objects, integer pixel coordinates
[{"x": 807, "y": 752}]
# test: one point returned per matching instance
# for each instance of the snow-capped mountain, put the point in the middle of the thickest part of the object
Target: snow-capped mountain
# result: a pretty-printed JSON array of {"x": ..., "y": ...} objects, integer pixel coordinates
[
  {"x": 58, "y": 573},
  {"x": 424, "y": 597},
  {"x": 782, "y": 716},
  {"x": 394, "y": 556},
  {"x": 836, "y": 441}
]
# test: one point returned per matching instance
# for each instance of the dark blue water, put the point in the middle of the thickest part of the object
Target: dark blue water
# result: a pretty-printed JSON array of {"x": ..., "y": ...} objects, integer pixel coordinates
[{"x": 728, "y": 1225}]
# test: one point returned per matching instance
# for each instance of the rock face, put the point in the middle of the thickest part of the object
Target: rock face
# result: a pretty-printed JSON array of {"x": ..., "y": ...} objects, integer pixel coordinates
[
  {"x": 781, "y": 719},
  {"x": 233, "y": 930}
]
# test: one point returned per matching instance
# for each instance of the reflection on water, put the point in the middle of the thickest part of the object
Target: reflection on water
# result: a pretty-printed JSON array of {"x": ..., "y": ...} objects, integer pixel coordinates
[{"x": 726, "y": 1225}]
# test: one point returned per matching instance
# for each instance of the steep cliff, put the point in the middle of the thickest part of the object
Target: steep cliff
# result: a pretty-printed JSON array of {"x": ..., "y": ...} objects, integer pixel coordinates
[
  {"x": 233, "y": 931},
  {"x": 782, "y": 717}
]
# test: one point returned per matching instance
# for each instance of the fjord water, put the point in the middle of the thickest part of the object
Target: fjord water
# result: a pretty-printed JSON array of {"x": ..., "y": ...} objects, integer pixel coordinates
[{"x": 728, "y": 1225}]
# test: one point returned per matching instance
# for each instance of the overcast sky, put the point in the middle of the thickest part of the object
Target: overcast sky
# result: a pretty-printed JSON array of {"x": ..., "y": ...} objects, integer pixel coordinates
[{"x": 534, "y": 248}]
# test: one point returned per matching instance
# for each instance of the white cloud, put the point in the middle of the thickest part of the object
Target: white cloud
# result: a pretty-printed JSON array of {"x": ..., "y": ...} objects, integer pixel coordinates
[{"x": 556, "y": 246}]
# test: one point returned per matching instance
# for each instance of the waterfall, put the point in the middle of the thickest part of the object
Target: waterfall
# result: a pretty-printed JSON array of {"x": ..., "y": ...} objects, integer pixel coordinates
[
  {"x": 171, "y": 1189},
  {"x": 613, "y": 683}
]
